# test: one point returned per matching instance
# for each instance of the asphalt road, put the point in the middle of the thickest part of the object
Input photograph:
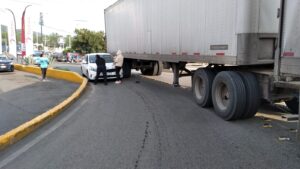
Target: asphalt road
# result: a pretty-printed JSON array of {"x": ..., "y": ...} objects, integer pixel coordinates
[
  {"x": 24, "y": 96},
  {"x": 151, "y": 125}
]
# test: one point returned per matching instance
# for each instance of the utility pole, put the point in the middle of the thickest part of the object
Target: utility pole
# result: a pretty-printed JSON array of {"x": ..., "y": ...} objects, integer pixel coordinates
[
  {"x": 46, "y": 40},
  {"x": 37, "y": 38},
  {"x": 70, "y": 41},
  {"x": 42, "y": 24}
]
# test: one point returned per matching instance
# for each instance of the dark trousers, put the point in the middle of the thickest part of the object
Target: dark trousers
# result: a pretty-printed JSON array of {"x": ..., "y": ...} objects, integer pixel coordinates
[
  {"x": 118, "y": 73},
  {"x": 44, "y": 72},
  {"x": 101, "y": 69}
]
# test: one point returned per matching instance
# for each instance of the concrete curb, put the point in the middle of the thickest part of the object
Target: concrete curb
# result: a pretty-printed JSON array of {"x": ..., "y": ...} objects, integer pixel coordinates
[{"x": 23, "y": 130}]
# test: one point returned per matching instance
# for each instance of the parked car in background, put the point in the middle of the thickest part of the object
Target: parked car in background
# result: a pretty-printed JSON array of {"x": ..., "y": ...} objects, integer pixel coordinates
[
  {"x": 74, "y": 57},
  {"x": 89, "y": 67},
  {"x": 35, "y": 56},
  {"x": 59, "y": 57},
  {"x": 6, "y": 64}
]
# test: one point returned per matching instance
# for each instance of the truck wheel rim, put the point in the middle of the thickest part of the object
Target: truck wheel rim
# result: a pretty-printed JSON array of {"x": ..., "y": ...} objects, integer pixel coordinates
[
  {"x": 222, "y": 96},
  {"x": 199, "y": 88}
]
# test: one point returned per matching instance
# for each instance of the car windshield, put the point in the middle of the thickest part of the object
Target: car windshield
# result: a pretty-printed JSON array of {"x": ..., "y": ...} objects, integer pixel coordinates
[
  {"x": 37, "y": 53},
  {"x": 3, "y": 57},
  {"x": 106, "y": 57}
]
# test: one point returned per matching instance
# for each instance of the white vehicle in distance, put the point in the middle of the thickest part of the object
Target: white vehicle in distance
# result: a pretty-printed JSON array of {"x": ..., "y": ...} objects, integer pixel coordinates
[{"x": 89, "y": 67}]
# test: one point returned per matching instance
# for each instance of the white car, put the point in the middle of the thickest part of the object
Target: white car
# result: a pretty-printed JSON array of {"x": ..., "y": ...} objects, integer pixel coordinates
[{"x": 89, "y": 67}]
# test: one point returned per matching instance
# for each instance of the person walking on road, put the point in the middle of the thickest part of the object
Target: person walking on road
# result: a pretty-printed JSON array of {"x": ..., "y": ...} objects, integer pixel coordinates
[
  {"x": 101, "y": 68},
  {"x": 44, "y": 62},
  {"x": 118, "y": 60}
]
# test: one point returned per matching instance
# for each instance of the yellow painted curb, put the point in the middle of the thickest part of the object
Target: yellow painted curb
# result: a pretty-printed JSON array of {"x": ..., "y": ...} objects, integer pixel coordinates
[
  {"x": 23, "y": 130},
  {"x": 53, "y": 73}
]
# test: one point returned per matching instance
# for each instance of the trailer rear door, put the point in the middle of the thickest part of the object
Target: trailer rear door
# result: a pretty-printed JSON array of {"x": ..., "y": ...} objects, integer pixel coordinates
[{"x": 290, "y": 56}]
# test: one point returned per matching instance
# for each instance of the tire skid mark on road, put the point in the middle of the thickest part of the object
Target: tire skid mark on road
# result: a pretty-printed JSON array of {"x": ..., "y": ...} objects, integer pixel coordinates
[
  {"x": 151, "y": 109},
  {"x": 41, "y": 137},
  {"x": 146, "y": 135}
]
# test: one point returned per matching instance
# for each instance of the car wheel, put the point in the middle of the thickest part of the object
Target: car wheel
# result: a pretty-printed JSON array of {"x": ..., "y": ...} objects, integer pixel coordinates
[
  {"x": 82, "y": 72},
  {"x": 88, "y": 76},
  {"x": 12, "y": 69}
]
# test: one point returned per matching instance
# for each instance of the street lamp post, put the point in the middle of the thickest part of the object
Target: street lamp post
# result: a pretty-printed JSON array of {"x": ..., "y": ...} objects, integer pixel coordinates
[{"x": 42, "y": 24}]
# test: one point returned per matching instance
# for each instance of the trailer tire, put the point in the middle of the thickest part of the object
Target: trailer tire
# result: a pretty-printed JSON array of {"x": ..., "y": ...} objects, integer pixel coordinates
[
  {"x": 293, "y": 105},
  {"x": 127, "y": 68},
  {"x": 160, "y": 68},
  {"x": 155, "y": 70},
  {"x": 202, "y": 87},
  {"x": 253, "y": 95},
  {"x": 228, "y": 95},
  {"x": 146, "y": 72}
]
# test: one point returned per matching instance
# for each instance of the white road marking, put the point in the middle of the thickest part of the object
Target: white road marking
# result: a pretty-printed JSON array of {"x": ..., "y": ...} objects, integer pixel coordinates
[{"x": 25, "y": 148}]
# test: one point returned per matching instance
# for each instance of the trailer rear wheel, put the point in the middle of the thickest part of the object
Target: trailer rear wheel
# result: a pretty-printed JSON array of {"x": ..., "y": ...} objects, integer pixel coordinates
[
  {"x": 228, "y": 95},
  {"x": 293, "y": 105},
  {"x": 202, "y": 85},
  {"x": 252, "y": 94}
]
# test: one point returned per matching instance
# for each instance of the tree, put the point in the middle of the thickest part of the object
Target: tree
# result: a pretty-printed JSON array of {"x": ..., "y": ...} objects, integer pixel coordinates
[
  {"x": 40, "y": 47},
  {"x": 52, "y": 40},
  {"x": 68, "y": 40},
  {"x": 86, "y": 41},
  {"x": 67, "y": 51}
]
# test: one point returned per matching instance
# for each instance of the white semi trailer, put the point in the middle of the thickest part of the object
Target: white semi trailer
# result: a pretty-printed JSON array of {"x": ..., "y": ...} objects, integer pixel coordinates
[{"x": 252, "y": 48}]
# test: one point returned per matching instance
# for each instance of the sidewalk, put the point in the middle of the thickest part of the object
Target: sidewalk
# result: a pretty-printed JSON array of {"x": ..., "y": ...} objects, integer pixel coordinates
[{"x": 24, "y": 96}]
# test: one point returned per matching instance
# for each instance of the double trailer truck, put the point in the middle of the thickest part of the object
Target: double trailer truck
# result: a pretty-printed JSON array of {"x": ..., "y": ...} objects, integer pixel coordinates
[{"x": 251, "y": 48}]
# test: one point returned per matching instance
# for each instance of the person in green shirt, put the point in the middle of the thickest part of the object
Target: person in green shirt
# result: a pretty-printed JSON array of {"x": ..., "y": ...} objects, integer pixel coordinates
[{"x": 44, "y": 62}]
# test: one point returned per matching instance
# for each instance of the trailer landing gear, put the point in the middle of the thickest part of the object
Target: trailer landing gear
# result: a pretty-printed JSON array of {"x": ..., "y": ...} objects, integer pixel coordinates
[
  {"x": 175, "y": 69},
  {"x": 178, "y": 71}
]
